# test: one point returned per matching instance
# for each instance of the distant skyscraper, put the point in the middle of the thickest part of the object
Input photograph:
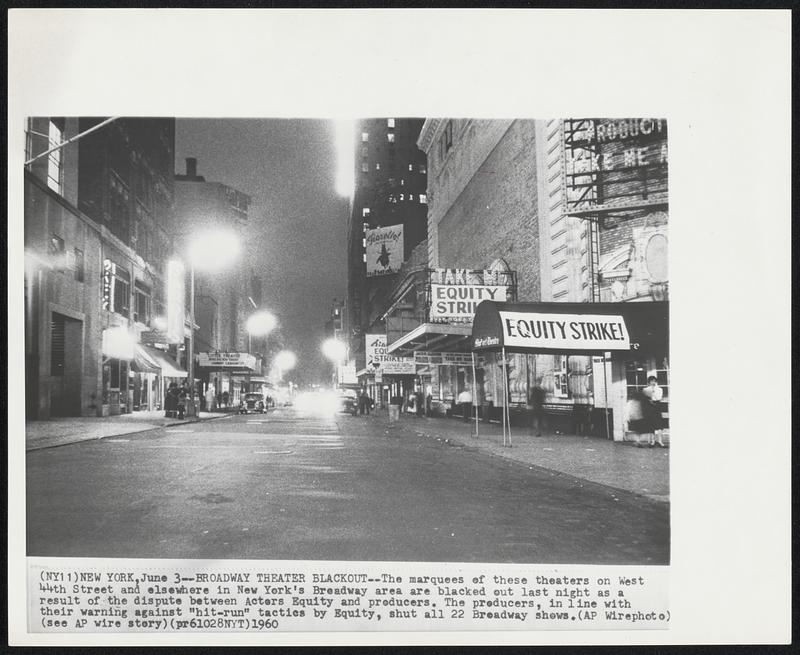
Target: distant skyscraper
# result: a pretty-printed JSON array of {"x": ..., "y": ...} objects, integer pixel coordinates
[{"x": 390, "y": 189}]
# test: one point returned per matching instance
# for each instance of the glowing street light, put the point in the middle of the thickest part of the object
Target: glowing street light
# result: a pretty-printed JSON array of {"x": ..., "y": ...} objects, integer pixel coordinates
[
  {"x": 345, "y": 157},
  {"x": 209, "y": 251},
  {"x": 334, "y": 350},
  {"x": 285, "y": 360},
  {"x": 259, "y": 324}
]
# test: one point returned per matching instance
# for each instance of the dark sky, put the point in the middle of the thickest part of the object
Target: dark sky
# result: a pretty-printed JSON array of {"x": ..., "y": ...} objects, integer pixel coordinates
[{"x": 297, "y": 222}]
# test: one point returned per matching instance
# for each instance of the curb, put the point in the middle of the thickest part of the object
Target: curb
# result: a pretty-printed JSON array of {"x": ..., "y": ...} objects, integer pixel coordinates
[
  {"x": 122, "y": 434},
  {"x": 661, "y": 499}
]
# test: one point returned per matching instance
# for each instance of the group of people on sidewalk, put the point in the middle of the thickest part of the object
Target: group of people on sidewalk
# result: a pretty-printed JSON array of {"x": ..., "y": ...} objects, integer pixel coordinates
[{"x": 175, "y": 401}]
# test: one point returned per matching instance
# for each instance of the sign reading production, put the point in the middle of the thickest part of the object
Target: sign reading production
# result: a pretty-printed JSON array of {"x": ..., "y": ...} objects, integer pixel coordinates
[
  {"x": 564, "y": 331},
  {"x": 215, "y": 359},
  {"x": 379, "y": 360}
]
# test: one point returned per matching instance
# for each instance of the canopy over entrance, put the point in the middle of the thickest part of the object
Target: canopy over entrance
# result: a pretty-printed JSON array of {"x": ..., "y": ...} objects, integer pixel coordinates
[{"x": 571, "y": 328}]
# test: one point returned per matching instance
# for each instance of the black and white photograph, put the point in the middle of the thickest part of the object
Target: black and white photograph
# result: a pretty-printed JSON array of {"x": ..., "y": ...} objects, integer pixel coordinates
[
  {"x": 382, "y": 366},
  {"x": 334, "y": 400}
]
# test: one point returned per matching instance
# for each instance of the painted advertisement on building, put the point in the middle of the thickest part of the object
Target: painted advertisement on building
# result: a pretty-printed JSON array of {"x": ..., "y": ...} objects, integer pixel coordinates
[
  {"x": 384, "y": 250},
  {"x": 381, "y": 361}
]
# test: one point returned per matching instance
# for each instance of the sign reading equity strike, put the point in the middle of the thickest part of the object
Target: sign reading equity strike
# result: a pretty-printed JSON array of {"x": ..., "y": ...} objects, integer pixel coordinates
[
  {"x": 564, "y": 331},
  {"x": 457, "y": 292},
  {"x": 384, "y": 248},
  {"x": 379, "y": 360},
  {"x": 460, "y": 301}
]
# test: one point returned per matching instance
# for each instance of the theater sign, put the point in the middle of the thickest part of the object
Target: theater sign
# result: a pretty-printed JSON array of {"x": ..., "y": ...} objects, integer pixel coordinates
[{"x": 455, "y": 293}]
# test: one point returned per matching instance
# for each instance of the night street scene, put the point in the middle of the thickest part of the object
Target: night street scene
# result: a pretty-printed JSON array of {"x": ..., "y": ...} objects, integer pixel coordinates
[{"x": 383, "y": 339}]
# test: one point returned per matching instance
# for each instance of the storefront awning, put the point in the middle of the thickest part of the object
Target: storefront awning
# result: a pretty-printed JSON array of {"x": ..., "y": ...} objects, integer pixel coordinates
[
  {"x": 142, "y": 361},
  {"x": 168, "y": 367},
  {"x": 576, "y": 328},
  {"x": 431, "y": 336}
]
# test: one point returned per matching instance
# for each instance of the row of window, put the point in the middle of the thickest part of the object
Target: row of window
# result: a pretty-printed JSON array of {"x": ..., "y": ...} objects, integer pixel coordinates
[
  {"x": 116, "y": 291},
  {"x": 392, "y": 167},
  {"x": 72, "y": 261}
]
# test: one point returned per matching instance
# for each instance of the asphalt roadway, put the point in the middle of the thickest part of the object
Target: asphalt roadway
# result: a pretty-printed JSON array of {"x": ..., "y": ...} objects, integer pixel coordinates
[{"x": 291, "y": 486}]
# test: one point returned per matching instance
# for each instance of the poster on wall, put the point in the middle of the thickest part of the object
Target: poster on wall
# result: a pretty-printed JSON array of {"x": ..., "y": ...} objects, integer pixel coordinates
[
  {"x": 379, "y": 360},
  {"x": 384, "y": 248}
]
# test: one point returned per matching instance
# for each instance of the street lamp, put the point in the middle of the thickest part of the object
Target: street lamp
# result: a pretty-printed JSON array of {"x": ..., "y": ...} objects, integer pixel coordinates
[
  {"x": 259, "y": 324},
  {"x": 210, "y": 251},
  {"x": 334, "y": 350},
  {"x": 285, "y": 360}
]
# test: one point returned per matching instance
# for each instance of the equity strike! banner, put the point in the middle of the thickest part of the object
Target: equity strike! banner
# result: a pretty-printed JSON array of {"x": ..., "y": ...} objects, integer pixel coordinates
[
  {"x": 564, "y": 331},
  {"x": 384, "y": 250}
]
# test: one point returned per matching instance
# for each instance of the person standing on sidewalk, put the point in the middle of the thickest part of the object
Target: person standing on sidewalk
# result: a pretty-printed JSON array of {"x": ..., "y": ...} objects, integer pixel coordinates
[
  {"x": 536, "y": 397},
  {"x": 652, "y": 414},
  {"x": 211, "y": 399},
  {"x": 465, "y": 400}
]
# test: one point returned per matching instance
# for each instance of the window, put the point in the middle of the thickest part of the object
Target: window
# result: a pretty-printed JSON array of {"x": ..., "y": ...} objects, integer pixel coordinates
[
  {"x": 56, "y": 246},
  {"x": 560, "y": 376},
  {"x": 423, "y": 199},
  {"x": 377, "y": 166},
  {"x": 390, "y": 122},
  {"x": 142, "y": 303},
  {"x": 392, "y": 181},
  {"x": 364, "y": 258},
  {"x": 364, "y": 137},
  {"x": 402, "y": 197},
  {"x": 365, "y": 212},
  {"x": 122, "y": 291},
  {"x": 364, "y": 151},
  {"x": 446, "y": 140},
  {"x": 411, "y": 167},
  {"x": 423, "y": 169},
  {"x": 410, "y": 196},
  {"x": 57, "y": 345},
  {"x": 78, "y": 265},
  {"x": 364, "y": 167},
  {"x": 402, "y": 182},
  {"x": 390, "y": 137},
  {"x": 54, "y": 173},
  {"x": 119, "y": 205}
]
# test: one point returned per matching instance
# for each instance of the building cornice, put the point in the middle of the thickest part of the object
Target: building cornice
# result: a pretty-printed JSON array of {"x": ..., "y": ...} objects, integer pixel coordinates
[{"x": 428, "y": 133}]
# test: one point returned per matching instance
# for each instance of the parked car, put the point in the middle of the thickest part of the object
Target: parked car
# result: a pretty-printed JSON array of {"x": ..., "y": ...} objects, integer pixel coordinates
[
  {"x": 252, "y": 402},
  {"x": 348, "y": 402}
]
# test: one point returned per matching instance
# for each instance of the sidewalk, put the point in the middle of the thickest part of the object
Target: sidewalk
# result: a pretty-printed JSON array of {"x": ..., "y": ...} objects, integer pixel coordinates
[
  {"x": 61, "y": 431},
  {"x": 643, "y": 471}
]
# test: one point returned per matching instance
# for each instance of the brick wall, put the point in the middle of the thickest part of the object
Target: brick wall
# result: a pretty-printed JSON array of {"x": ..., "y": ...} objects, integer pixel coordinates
[{"x": 496, "y": 215}]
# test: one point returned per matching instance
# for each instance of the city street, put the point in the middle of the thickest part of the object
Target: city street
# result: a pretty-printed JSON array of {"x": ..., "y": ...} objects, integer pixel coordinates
[{"x": 292, "y": 486}]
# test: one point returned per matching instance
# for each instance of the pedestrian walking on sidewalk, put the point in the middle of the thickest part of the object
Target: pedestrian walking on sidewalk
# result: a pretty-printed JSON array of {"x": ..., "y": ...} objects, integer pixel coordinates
[
  {"x": 635, "y": 410},
  {"x": 183, "y": 398},
  {"x": 652, "y": 412},
  {"x": 465, "y": 400},
  {"x": 171, "y": 401},
  {"x": 536, "y": 397}
]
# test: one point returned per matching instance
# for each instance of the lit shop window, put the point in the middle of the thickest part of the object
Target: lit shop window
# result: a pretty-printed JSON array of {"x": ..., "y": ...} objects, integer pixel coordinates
[
  {"x": 364, "y": 167},
  {"x": 390, "y": 122},
  {"x": 55, "y": 137},
  {"x": 365, "y": 212},
  {"x": 423, "y": 199},
  {"x": 365, "y": 136},
  {"x": 390, "y": 137}
]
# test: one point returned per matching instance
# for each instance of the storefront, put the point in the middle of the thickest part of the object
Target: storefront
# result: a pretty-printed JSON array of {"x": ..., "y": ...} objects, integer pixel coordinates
[
  {"x": 229, "y": 374},
  {"x": 613, "y": 348}
]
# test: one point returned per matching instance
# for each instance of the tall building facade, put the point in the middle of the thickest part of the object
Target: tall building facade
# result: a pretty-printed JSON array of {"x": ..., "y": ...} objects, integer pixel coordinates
[
  {"x": 539, "y": 212},
  {"x": 224, "y": 298},
  {"x": 97, "y": 220},
  {"x": 390, "y": 190}
]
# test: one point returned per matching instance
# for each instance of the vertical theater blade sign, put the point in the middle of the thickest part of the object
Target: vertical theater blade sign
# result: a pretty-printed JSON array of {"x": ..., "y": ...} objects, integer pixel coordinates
[{"x": 384, "y": 250}]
